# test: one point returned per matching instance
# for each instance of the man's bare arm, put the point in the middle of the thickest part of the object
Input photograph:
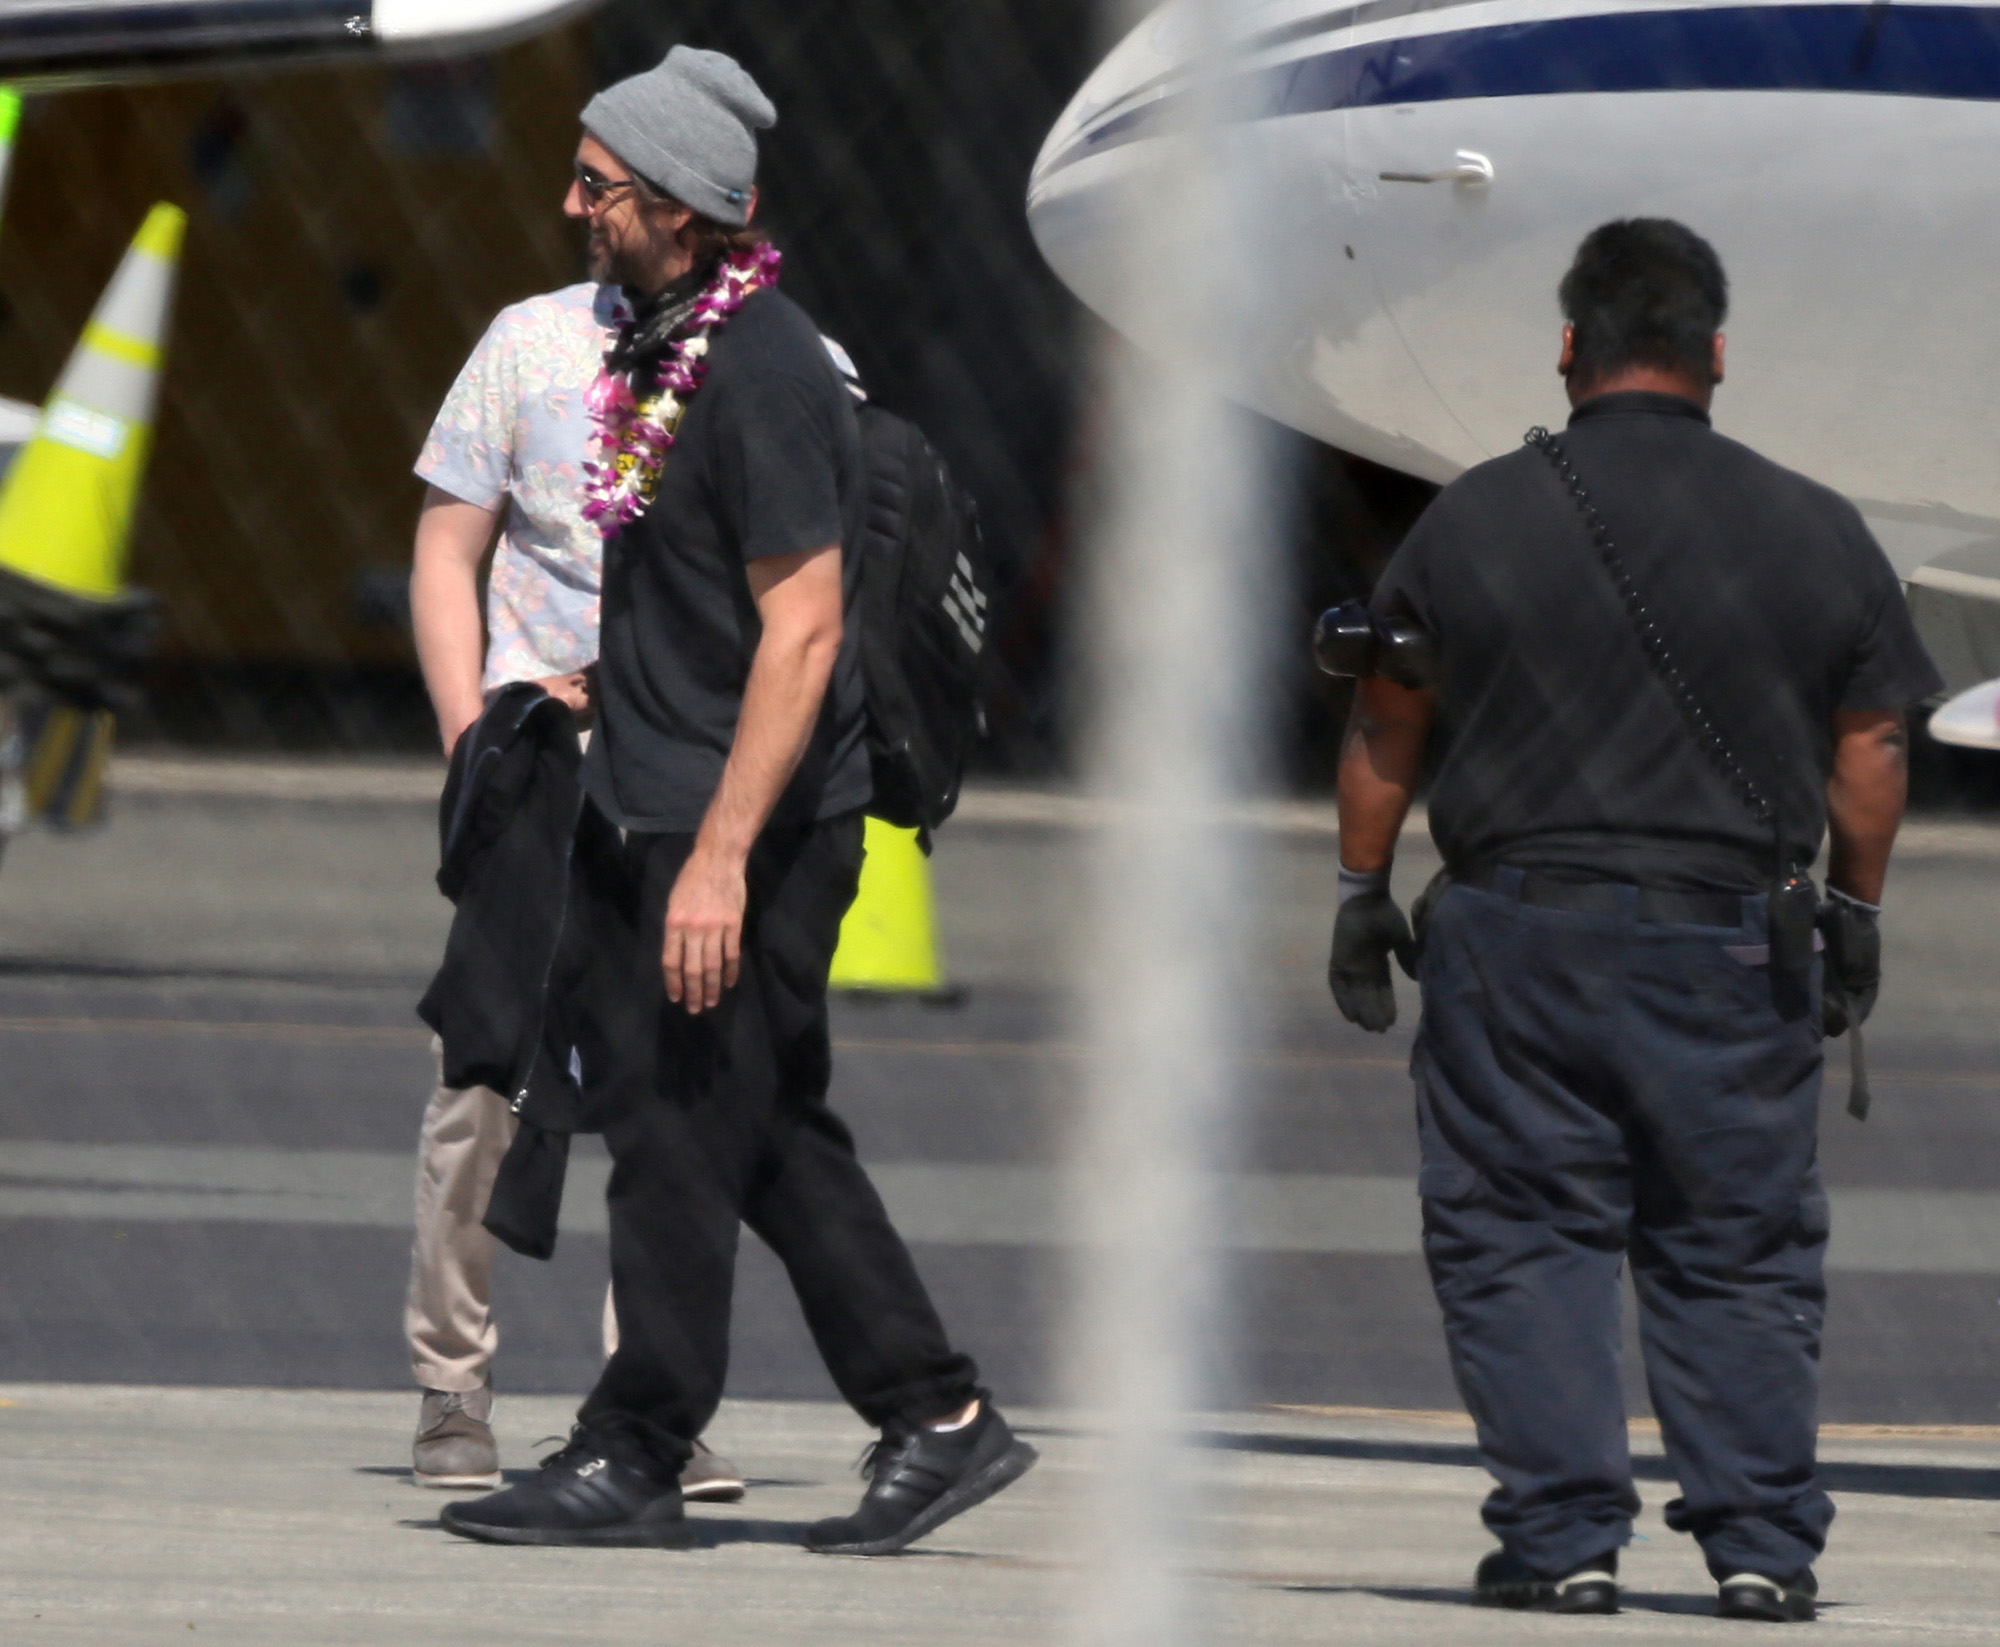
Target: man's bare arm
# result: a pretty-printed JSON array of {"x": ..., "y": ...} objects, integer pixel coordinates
[
  {"x": 1865, "y": 798},
  {"x": 799, "y": 600},
  {"x": 1380, "y": 761},
  {"x": 452, "y": 539}
]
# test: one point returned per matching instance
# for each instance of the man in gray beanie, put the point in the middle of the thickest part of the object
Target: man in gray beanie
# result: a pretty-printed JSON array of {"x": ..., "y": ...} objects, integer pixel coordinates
[
  {"x": 689, "y": 128},
  {"x": 729, "y": 749}
]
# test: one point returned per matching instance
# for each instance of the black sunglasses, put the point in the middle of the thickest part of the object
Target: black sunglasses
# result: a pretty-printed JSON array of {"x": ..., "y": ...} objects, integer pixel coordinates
[{"x": 598, "y": 188}]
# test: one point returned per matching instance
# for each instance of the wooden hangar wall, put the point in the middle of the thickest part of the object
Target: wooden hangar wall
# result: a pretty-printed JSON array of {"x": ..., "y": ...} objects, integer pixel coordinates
[{"x": 353, "y": 229}]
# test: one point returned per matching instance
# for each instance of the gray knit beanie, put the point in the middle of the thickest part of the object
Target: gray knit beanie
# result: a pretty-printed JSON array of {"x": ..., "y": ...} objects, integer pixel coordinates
[{"x": 689, "y": 127}]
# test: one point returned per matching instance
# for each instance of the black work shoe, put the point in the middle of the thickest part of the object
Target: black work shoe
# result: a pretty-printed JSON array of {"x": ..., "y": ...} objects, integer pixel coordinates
[
  {"x": 1505, "y": 1580},
  {"x": 919, "y": 1479},
  {"x": 581, "y": 1496},
  {"x": 1791, "y": 1600}
]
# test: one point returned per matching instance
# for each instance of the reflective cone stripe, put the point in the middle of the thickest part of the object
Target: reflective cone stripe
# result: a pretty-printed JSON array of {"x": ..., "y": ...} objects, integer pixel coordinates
[
  {"x": 66, "y": 513},
  {"x": 888, "y": 941}
]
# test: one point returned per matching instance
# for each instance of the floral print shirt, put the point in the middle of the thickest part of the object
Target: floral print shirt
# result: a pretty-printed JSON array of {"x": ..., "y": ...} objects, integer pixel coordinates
[{"x": 516, "y": 426}]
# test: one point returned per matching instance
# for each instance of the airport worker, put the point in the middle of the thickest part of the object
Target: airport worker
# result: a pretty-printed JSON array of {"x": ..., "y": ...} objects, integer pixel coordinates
[
  {"x": 1664, "y": 668},
  {"x": 728, "y": 747},
  {"x": 505, "y": 467}
]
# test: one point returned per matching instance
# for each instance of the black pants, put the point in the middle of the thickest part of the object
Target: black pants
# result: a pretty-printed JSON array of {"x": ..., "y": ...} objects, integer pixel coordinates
[
  {"x": 720, "y": 1119},
  {"x": 1592, "y": 1087}
]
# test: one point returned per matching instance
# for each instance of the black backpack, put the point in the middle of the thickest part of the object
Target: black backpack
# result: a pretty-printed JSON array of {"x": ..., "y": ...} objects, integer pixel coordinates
[{"x": 926, "y": 593}]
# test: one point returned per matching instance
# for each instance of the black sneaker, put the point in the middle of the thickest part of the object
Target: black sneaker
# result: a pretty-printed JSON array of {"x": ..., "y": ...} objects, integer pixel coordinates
[
  {"x": 1793, "y": 1600},
  {"x": 1505, "y": 1580},
  {"x": 581, "y": 1496},
  {"x": 919, "y": 1479}
]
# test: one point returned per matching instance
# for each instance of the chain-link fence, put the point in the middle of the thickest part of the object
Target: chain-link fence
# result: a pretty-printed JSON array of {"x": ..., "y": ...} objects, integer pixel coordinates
[{"x": 353, "y": 229}]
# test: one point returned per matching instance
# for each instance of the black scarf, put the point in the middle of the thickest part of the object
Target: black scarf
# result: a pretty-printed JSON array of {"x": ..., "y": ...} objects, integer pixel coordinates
[{"x": 656, "y": 319}]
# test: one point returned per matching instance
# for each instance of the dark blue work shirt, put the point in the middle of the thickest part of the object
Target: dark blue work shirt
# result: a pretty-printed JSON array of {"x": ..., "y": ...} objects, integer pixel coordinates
[{"x": 1564, "y": 750}]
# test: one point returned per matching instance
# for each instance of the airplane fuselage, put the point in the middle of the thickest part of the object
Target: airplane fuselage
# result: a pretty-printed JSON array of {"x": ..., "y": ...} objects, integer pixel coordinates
[{"x": 1424, "y": 169}]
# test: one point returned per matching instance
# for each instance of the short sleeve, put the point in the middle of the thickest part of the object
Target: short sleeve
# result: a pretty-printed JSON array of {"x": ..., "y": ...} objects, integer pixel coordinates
[
  {"x": 777, "y": 464},
  {"x": 1404, "y": 588},
  {"x": 1888, "y": 668},
  {"x": 470, "y": 450}
]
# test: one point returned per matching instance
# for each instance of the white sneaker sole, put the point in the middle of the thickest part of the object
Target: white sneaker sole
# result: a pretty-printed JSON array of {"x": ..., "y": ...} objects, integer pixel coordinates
[{"x": 453, "y": 1483}]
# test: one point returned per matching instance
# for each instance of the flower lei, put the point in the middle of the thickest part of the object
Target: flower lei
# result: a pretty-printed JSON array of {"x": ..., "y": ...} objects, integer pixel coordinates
[{"x": 636, "y": 430}]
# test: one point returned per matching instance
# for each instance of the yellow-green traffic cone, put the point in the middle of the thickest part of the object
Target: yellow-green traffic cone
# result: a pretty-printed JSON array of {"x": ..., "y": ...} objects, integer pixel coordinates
[
  {"x": 65, "y": 524},
  {"x": 10, "y": 119},
  {"x": 888, "y": 942},
  {"x": 66, "y": 512}
]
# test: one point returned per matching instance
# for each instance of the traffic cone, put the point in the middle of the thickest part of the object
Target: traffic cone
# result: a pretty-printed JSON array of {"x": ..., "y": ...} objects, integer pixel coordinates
[
  {"x": 10, "y": 118},
  {"x": 888, "y": 942},
  {"x": 71, "y": 638},
  {"x": 66, "y": 513}
]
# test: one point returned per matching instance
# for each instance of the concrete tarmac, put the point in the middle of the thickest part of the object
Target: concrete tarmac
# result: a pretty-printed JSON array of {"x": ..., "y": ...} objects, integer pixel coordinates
[
  {"x": 213, "y": 1077},
  {"x": 212, "y": 1080},
  {"x": 130, "y": 1517}
]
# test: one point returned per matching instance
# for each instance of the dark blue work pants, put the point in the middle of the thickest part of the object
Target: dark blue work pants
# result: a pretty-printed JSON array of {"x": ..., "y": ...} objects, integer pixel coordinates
[{"x": 1592, "y": 1087}]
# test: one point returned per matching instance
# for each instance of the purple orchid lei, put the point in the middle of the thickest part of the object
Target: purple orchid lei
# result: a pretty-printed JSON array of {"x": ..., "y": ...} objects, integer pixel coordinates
[{"x": 635, "y": 431}]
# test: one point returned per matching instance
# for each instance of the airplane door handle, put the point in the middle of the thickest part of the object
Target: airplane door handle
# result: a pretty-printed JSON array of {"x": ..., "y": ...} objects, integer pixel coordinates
[{"x": 1472, "y": 168}]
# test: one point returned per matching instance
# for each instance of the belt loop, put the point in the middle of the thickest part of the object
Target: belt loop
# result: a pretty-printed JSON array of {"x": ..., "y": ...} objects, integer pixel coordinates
[
  {"x": 1627, "y": 902},
  {"x": 1508, "y": 881},
  {"x": 1754, "y": 919}
]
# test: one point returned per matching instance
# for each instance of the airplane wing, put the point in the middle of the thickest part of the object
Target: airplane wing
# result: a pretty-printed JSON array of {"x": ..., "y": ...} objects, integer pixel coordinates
[
  {"x": 74, "y": 42},
  {"x": 1972, "y": 719},
  {"x": 1955, "y": 599}
]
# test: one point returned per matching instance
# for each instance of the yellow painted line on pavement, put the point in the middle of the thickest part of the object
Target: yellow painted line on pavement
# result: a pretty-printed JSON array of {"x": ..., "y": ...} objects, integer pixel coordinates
[
  {"x": 227, "y": 1029},
  {"x": 1075, "y": 1049},
  {"x": 1639, "y": 1426},
  {"x": 393, "y": 1035}
]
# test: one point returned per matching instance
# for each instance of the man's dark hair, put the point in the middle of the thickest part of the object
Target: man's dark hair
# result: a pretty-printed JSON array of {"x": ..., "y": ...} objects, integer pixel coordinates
[
  {"x": 710, "y": 241},
  {"x": 1644, "y": 291}
]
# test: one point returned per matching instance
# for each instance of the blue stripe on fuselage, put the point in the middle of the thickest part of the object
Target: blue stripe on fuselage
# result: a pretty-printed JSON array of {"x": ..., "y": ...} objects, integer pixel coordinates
[{"x": 1864, "y": 49}]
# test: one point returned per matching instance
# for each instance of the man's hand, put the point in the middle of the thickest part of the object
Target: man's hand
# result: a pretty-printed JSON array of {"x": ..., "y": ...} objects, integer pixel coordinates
[
  {"x": 799, "y": 602},
  {"x": 1366, "y": 932},
  {"x": 1853, "y": 961},
  {"x": 578, "y": 690},
  {"x": 1379, "y": 764},
  {"x": 704, "y": 942}
]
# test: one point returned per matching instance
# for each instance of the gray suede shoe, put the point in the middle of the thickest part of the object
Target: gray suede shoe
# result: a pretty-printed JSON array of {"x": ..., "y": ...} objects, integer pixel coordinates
[
  {"x": 709, "y": 1478},
  {"x": 454, "y": 1446}
]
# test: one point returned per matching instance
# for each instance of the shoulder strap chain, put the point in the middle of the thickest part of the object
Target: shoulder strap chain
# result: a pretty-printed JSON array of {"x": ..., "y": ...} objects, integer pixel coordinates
[{"x": 1698, "y": 720}]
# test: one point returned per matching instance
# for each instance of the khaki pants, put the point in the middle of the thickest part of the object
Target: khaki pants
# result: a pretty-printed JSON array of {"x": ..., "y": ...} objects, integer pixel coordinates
[{"x": 448, "y": 1316}]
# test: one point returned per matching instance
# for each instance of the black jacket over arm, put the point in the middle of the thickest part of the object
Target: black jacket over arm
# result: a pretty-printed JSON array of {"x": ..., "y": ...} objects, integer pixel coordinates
[{"x": 513, "y": 834}]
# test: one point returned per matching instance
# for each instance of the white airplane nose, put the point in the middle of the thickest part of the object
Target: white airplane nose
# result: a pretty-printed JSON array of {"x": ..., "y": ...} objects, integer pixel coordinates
[
  {"x": 456, "y": 22},
  {"x": 61, "y": 43},
  {"x": 1971, "y": 720}
]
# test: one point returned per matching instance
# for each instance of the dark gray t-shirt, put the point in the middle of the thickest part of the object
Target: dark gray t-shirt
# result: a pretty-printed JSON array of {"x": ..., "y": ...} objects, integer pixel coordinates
[
  {"x": 1564, "y": 751},
  {"x": 767, "y": 461}
]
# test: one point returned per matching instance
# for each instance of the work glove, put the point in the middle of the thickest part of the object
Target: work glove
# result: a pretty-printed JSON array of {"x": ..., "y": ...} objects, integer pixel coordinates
[
  {"x": 1366, "y": 932},
  {"x": 1853, "y": 971}
]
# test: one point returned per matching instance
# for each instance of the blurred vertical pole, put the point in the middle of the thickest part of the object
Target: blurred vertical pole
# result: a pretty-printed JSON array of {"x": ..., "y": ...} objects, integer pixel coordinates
[{"x": 1177, "y": 563}]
